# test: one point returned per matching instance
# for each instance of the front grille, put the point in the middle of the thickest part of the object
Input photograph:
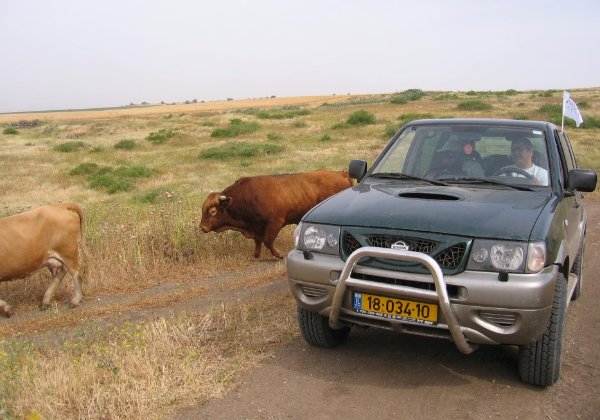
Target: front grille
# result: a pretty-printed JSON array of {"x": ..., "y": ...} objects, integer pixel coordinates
[
  {"x": 453, "y": 291},
  {"x": 451, "y": 257},
  {"x": 418, "y": 245},
  {"x": 448, "y": 251}
]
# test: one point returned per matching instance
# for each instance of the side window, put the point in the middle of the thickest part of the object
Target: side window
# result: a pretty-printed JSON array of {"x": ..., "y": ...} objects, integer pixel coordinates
[{"x": 566, "y": 161}]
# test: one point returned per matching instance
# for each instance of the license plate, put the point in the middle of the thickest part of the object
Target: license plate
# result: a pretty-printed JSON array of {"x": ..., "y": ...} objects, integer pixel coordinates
[{"x": 392, "y": 308}]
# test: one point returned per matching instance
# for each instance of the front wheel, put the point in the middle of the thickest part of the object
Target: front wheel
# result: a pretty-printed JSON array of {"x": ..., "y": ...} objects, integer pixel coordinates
[
  {"x": 539, "y": 362},
  {"x": 316, "y": 330}
]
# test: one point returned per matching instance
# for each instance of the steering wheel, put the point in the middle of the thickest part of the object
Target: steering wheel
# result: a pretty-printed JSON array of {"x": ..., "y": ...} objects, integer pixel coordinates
[{"x": 512, "y": 169}]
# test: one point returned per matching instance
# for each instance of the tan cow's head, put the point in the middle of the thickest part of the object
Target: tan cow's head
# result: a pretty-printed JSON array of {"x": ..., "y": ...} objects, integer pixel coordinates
[{"x": 214, "y": 211}]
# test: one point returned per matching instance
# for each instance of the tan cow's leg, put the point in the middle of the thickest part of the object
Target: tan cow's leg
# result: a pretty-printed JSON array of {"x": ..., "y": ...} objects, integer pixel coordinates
[
  {"x": 4, "y": 309},
  {"x": 57, "y": 275},
  {"x": 78, "y": 287}
]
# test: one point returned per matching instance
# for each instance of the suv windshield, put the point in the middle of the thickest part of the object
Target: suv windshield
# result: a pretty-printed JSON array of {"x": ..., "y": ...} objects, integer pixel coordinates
[{"x": 463, "y": 153}]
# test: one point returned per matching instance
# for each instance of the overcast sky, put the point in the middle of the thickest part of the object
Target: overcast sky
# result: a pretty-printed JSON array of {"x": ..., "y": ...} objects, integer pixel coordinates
[{"x": 69, "y": 54}]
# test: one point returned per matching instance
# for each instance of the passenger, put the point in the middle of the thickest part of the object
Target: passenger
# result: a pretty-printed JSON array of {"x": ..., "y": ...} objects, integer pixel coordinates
[{"x": 457, "y": 160}]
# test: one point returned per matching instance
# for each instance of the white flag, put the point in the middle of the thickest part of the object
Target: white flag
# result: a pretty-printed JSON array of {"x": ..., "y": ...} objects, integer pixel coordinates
[{"x": 570, "y": 109}]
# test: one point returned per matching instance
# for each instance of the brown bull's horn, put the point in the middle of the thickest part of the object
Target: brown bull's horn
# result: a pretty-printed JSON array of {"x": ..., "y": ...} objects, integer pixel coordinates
[{"x": 222, "y": 198}]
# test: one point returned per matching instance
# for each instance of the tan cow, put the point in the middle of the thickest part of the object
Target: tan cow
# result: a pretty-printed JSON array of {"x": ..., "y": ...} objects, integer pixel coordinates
[
  {"x": 49, "y": 236},
  {"x": 259, "y": 206}
]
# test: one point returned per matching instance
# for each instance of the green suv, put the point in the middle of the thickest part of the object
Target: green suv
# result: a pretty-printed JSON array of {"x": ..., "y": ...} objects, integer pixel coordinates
[{"x": 467, "y": 229}]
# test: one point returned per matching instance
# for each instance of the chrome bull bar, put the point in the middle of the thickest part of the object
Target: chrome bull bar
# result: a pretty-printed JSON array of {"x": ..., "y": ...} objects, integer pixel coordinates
[{"x": 438, "y": 277}]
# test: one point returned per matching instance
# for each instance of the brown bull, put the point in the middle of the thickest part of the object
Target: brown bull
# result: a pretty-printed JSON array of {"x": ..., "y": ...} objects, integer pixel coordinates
[
  {"x": 49, "y": 236},
  {"x": 260, "y": 206}
]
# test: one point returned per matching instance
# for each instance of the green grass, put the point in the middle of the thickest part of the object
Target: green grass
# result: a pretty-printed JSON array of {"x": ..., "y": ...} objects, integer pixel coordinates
[
  {"x": 236, "y": 127},
  {"x": 71, "y": 146},
  {"x": 240, "y": 149},
  {"x": 109, "y": 179},
  {"x": 361, "y": 117},
  {"x": 125, "y": 144},
  {"x": 474, "y": 105},
  {"x": 407, "y": 96},
  {"x": 10, "y": 130},
  {"x": 161, "y": 136}
]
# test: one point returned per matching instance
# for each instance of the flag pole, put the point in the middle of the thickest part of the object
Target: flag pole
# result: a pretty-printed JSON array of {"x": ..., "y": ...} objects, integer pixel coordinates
[{"x": 562, "y": 124}]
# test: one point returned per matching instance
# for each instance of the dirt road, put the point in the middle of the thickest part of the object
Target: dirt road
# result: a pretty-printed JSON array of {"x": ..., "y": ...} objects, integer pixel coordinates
[{"x": 377, "y": 374}]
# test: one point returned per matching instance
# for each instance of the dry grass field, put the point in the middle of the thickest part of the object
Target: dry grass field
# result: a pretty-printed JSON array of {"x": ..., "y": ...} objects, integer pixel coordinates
[{"x": 138, "y": 346}]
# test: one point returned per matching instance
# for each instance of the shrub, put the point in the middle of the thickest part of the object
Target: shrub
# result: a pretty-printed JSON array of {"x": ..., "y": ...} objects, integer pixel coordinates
[
  {"x": 161, "y": 136},
  {"x": 281, "y": 114},
  {"x": 240, "y": 149},
  {"x": 325, "y": 137},
  {"x": 406, "y": 96},
  {"x": 71, "y": 146},
  {"x": 361, "y": 117},
  {"x": 10, "y": 130},
  {"x": 84, "y": 169},
  {"x": 109, "y": 179},
  {"x": 274, "y": 137},
  {"x": 474, "y": 105},
  {"x": 125, "y": 144},
  {"x": 236, "y": 127}
]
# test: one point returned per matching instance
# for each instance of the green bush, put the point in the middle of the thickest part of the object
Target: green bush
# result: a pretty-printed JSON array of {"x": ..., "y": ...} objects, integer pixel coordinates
[
  {"x": 125, "y": 144},
  {"x": 240, "y": 149},
  {"x": 406, "y": 96},
  {"x": 109, "y": 179},
  {"x": 284, "y": 113},
  {"x": 474, "y": 105},
  {"x": 161, "y": 136},
  {"x": 10, "y": 130},
  {"x": 235, "y": 128},
  {"x": 85, "y": 169},
  {"x": 361, "y": 117},
  {"x": 71, "y": 146}
]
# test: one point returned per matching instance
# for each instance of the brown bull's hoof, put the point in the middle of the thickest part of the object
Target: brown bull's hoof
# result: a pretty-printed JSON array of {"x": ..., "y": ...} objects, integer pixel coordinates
[{"x": 44, "y": 306}]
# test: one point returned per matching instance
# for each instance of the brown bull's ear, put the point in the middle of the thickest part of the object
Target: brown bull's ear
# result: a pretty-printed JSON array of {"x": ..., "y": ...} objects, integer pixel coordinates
[{"x": 224, "y": 202}]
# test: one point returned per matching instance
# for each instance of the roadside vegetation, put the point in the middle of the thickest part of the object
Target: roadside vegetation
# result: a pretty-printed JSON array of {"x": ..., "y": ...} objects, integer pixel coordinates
[{"x": 141, "y": 180}]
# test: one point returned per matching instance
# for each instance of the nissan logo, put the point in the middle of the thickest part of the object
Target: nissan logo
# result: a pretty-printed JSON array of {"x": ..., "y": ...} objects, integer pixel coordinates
[{"x": 400, "y": 245}]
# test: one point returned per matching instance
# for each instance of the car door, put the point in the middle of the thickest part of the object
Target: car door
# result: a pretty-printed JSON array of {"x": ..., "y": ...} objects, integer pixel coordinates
[{"x": 572, "y": 201}]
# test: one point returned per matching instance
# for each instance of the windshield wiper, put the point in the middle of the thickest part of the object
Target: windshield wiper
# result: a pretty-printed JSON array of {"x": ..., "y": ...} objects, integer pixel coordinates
[
  {"x": 399, "y": 175},
  {"x": 487, "y": 181}
]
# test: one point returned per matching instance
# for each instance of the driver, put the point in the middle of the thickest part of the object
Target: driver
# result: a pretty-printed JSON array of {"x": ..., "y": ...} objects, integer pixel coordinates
[{"x": 521, "y": 152}]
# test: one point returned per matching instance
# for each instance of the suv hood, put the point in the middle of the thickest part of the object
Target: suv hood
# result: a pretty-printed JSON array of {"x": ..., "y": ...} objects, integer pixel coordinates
[{"x": 457, "y": 210}]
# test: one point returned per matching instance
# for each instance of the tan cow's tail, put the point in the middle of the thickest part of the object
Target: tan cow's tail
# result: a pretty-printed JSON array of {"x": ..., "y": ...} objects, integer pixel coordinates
[{"x": 83, "y": 252}]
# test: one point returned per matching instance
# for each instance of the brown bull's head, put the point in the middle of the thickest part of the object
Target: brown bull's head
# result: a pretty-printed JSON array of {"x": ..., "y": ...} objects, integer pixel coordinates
[{"x": 214, "y": 211}]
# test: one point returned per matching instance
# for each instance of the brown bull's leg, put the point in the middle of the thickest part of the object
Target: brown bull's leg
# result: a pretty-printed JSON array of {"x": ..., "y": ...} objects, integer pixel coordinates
[
  {"x": 271, "y": 232},
  {"x": 257, "y": 244},
  {"x": 58, "y": 272},
  {"x": 5, "y": 309}
]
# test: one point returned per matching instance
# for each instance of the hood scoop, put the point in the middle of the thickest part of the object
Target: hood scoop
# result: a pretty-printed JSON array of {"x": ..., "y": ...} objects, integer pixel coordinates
[{"x": 429, "y": 196}]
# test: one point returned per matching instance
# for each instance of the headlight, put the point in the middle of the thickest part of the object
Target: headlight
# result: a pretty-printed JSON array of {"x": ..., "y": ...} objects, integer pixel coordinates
[
  {"x": 317, "y": 237},
  {"x": 515, "y": 257}
]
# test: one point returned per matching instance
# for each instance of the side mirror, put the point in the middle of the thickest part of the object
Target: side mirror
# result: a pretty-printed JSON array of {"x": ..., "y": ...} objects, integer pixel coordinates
[
  {"x": 583, "y": 180},
  {"x": 357, "y": 169}
]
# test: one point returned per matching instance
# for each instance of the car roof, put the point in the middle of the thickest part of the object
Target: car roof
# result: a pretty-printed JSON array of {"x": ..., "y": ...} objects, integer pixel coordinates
[{"x": 493, "y": 122}]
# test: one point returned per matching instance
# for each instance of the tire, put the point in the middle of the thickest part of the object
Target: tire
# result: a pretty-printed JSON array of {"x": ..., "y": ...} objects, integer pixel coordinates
[
  {"x": 539, "y": 362},
  {"x": 317, "y": 332},
  {"x": 577, "y": 269}
]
